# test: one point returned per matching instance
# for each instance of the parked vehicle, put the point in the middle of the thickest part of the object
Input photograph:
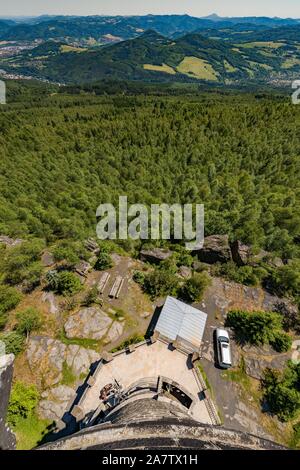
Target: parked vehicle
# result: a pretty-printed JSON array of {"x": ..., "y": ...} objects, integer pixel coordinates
[{"x": 223, "y": 348}]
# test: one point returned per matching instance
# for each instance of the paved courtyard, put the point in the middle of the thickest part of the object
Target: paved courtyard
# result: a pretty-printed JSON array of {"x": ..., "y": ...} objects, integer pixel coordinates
[{"x": 148, "y": 361}]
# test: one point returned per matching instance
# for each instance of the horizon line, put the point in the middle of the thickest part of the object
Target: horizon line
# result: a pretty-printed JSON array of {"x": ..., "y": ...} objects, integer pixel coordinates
[{"x": 146, "y": 14}]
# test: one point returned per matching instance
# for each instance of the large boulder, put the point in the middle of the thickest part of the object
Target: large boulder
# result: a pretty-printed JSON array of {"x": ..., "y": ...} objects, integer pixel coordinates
[
  {"x": 155, "y": 255},
  {"x": 215, "y": 249},
  {"x": 10, "y": 242},
  {"x": 240, "y": 253},
  {"x": 255, "y": 366},
  {"x": 115, "y": 332},
  {"x": 185, "y": 272},
  {"x": 90, "y": 323},
  {"x": 243, "y": 254},
  {"x": 47, "y": 358},
  {"x": 47, "y": 259},
  {"x": 56, "y": 402},
  {"x": 50, "y": 299}
]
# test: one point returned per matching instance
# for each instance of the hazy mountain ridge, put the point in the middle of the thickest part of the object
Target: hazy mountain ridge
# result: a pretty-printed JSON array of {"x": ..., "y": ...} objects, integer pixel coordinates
[{"x": 125, "y": 27}]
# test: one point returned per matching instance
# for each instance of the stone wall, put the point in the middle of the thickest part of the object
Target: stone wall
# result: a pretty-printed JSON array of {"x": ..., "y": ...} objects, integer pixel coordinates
[{"x": 7, "y": 438}]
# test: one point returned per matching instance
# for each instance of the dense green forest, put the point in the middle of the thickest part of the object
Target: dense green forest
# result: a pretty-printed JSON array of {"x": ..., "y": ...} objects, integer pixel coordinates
[
  {"x": 63, "y": 151},
  {"x": 61, "y": 156}
]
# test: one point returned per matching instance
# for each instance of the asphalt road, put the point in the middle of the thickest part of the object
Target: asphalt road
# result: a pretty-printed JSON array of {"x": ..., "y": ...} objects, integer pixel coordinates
[{"x": 235, "y": 413}]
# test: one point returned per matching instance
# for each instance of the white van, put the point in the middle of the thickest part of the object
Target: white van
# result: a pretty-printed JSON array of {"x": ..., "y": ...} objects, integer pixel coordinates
[{"x": 223, "y": 349}]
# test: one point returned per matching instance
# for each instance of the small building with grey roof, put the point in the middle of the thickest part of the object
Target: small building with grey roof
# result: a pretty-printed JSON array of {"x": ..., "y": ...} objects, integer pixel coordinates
[{"x": 181, "y": 324}]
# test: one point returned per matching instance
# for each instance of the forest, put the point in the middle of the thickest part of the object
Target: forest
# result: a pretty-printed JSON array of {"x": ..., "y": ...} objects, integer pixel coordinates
[
  {"x": 238, "y": 154},
  {"x": 65, "y": 150},
  {"x": 62, "y": 155}
]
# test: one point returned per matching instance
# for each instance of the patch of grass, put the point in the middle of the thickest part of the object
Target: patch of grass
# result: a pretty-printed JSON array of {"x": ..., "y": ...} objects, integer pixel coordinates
[
  {"x": 30, "y": 431},
  {"x": 268, "y": 44},
  {"x": 238, "y": 375},
  {"x": 117, "y": 314},
  {"x": 65, "y": 48},
  {"x": 258, "y": 64},
  {"x": 160, "y": 68},
  {"x": 291, "y": 62},
  {"x": 68, "y": 376},
  {"x": 205, "y": 378},
  {"x": 250, "y": 391},
  {"x": 198, "y": 68},
  {"x": 295, "y": 440},
  {"x": 135, "y": 339},
  {"x": 228, "y": 67},
  {"x": 83, "y": 342}
]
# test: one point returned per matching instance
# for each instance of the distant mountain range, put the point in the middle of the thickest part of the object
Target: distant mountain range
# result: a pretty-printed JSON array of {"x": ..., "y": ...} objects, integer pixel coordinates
[
  {"x": 96, "y": 28},
  {"x": 224, "y": 51}
]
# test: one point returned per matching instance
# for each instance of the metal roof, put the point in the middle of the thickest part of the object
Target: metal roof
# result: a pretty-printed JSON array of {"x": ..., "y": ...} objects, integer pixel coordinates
[{"x": 178, "y": 320}]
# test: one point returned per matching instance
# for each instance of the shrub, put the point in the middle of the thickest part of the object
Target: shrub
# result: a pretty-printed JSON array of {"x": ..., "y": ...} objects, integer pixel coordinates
[
  {"x": 135, "y": 339},
  {"x": 161, "y": 282},
  {"x": 69, "y": 283},
  {"x": 28, "y": 320},
  {"x": 185, "y": 259},
  {"x": 70, "y": 251},
  {"x": 282, "y": 342},
  {"x": 63, "y": 282},
  {"x": 14, "y": 342},
  {"x": 286, "y": 280},
  {"x": 139, "y": 277},
  {"x": 91, "y": 297},
  {"x": 281, "y": 391},
  {"x": 257, "y": 328},
  {"x": 194, "y": 288},
  {"x": 32, "y": 278},
  {"x": 103, "y": 262},
  {"x": 9, "y": 299},
  {"x": 23, "y": 402},
  {"x": 17, "y": 265},
  {"x": 247, "y": 275}
]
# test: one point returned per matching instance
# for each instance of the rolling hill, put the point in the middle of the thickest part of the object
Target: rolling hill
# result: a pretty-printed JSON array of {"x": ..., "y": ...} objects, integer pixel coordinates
[{"x": 153, "y": 57}]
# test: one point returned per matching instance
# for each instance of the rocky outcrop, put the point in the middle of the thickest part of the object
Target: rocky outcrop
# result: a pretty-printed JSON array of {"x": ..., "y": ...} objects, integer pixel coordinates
[
  {"x": 90, "y": 323},
  {"x": 50, "y": 299},
  {"x": 56, "y": 402},
  {"x": 156, "y": 255},
  {"x": 240, "y": 253},
  {"x": 47, "y": 259},
  {"x": 10, "y": 242},
  {"x": 215, "y": 249},
  {"x": 185, "y": 272},
  {"x": 243, "y": 254},
  {"x": 115, "y": 332},
  {"x": 256, "y": 365},
  {"x": 47, "y": 358}
]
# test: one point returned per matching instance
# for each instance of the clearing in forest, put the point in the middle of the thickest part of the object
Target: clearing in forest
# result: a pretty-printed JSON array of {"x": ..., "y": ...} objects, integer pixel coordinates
[{"x": 199, "y": 68}]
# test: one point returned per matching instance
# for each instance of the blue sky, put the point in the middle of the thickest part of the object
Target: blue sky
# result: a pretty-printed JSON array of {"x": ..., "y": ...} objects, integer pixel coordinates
[{"x": 287, "y": 8}]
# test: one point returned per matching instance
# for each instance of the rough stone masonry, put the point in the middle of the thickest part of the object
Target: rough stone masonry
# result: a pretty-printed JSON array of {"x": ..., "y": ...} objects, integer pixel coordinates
[{"x": 7, "y": 438}]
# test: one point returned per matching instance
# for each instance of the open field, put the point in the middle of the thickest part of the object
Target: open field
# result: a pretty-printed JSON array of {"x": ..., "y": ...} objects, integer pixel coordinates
[
  {"x": 198, "y": 68},
  {"x": 160, "y": 68}
]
